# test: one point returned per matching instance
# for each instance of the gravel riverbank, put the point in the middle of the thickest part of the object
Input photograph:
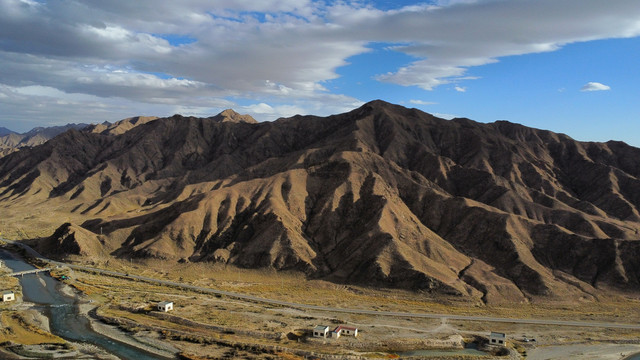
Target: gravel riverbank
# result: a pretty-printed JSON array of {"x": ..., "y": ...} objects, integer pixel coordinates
[
  {"x": 143, "y": 340},
  {"x": 584, "y": 352}
]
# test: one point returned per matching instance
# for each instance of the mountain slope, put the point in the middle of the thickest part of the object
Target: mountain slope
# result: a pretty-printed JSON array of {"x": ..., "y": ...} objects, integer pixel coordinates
[
  {"x": 4, "y": 131},
  {"x": 382, "y": 195},
  {"x": 119, "y": 127},
  {"x": 12, "y": 141}
]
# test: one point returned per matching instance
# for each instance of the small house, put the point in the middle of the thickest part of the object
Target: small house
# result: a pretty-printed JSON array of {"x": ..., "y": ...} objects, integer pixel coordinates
[
  {"x": 320, "y": 331},
  {"x": 344, "y": 330},
  {"x": 497, "y": 338},
  {"x": 8, "y": 295},
  {"x": 165, "y": 306}
]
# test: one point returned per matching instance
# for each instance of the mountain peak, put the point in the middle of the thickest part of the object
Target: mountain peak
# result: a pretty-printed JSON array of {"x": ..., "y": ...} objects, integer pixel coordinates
[
  {"x": 382, "y": 195},
  {"x": 120, "y": 127},
  {"x": 378, "y": 103},
  {"x": 4, "y": 131},
  {"x": 229, "y": 115}
]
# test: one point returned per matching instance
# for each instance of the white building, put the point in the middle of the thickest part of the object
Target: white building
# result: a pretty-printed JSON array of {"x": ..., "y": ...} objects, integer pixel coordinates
[
  {"x": 8, "y": 295},
  {"x": 344, "y": 330},
  {"x": 320, "y": 331},
  {"x": 165, "y": 306},
  {"x": 497, "y": 338}
]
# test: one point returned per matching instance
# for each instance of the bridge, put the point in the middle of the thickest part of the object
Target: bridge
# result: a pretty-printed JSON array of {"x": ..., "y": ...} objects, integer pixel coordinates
[{"x": 23, "y": 273}]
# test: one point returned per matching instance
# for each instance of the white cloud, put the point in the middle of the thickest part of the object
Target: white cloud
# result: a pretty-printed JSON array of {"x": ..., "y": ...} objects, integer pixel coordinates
[
  {"x": 595, "y": 86},
  {"x": 299, "y": 44},
  {"x": 260, "y": 108},
  {"x": 421, "y": 102},
  {"x": 445, "y": 116},
  {"x": 448, "y": 40},
  {"x": 30, "y": 106},
  {"x": 275, "y": 52},
  {"x": 268, "y": 112},
  {"x": 460, "y": 89}
]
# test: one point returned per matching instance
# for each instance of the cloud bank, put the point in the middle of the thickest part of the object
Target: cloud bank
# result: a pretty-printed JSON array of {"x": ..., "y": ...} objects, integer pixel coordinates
[
  {"x": 144, "y": 55},
  {"x": 595, "y": 86}
]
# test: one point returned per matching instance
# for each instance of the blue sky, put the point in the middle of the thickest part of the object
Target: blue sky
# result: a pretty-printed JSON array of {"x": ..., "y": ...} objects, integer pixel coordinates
[{"x": 569, "y": 66}]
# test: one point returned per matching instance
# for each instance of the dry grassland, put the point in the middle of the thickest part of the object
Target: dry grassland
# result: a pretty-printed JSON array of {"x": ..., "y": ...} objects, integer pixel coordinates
[
  {"x": 23, "y": 224},
  {"x": 231, "y": 321},
  {"x": 8, "y": 283},
  {"x": 132, "y": 300},
  {"x": 16, "y": 329},
  {"x": 294, "y": 287}
]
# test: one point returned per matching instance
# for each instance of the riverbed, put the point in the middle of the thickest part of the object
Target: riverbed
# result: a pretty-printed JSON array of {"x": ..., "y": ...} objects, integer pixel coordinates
[
  {"x": 585, "y": 351},
  {"x": 434, "y": 353},
  {"x": 63, "y": 311}
]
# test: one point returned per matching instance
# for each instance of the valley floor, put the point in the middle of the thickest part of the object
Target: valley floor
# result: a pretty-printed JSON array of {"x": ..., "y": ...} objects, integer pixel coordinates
[
  {"x": 584, "y": 351},
  {"x": 208, "y": 325}
]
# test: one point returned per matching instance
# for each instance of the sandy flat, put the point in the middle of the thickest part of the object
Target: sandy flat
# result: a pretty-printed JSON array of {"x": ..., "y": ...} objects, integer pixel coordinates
[
  {"x": 595, "y": 352},
  {"x": 146, "y": 343}
]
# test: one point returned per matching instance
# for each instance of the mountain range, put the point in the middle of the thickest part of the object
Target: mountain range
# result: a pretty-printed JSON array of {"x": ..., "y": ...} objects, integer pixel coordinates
[
  {"x": 381, "y": 196},
  {"x": 4, "y": 131},
  {"x": 11, "y": 141}
]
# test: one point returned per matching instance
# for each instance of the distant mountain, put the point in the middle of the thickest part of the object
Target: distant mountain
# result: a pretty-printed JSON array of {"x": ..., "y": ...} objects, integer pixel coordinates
[
  {"x": 4, "y": 131},
  {"x": 231, "y": 116},
  {"x": 13, "y": 141},
  {"x": 119, "y": 127},
  {"x": 125, "y": 125},
  {"x": 382, "y": 195}
]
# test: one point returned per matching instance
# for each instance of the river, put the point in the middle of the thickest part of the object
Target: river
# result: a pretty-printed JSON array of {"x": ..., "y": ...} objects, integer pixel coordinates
[
  {"x": 65, "y": 319},
  {"x": 469, "y": 350}
]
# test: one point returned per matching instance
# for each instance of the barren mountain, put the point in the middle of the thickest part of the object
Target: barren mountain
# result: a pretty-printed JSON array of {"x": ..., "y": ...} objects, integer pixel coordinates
[
  {"x": 231, "y": 116},
  {"x": 119, "y": 127},
  {"x": 382, "y": 195},
  {"x": 11, "y": 141},
  {"x": 4, "y": 131}
]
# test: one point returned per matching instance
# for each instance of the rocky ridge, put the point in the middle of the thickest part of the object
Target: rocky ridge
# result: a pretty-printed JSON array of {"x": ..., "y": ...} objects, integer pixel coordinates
[
  {"x": 382, "y": 195},
  {"x": 11, "y": 141}
]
